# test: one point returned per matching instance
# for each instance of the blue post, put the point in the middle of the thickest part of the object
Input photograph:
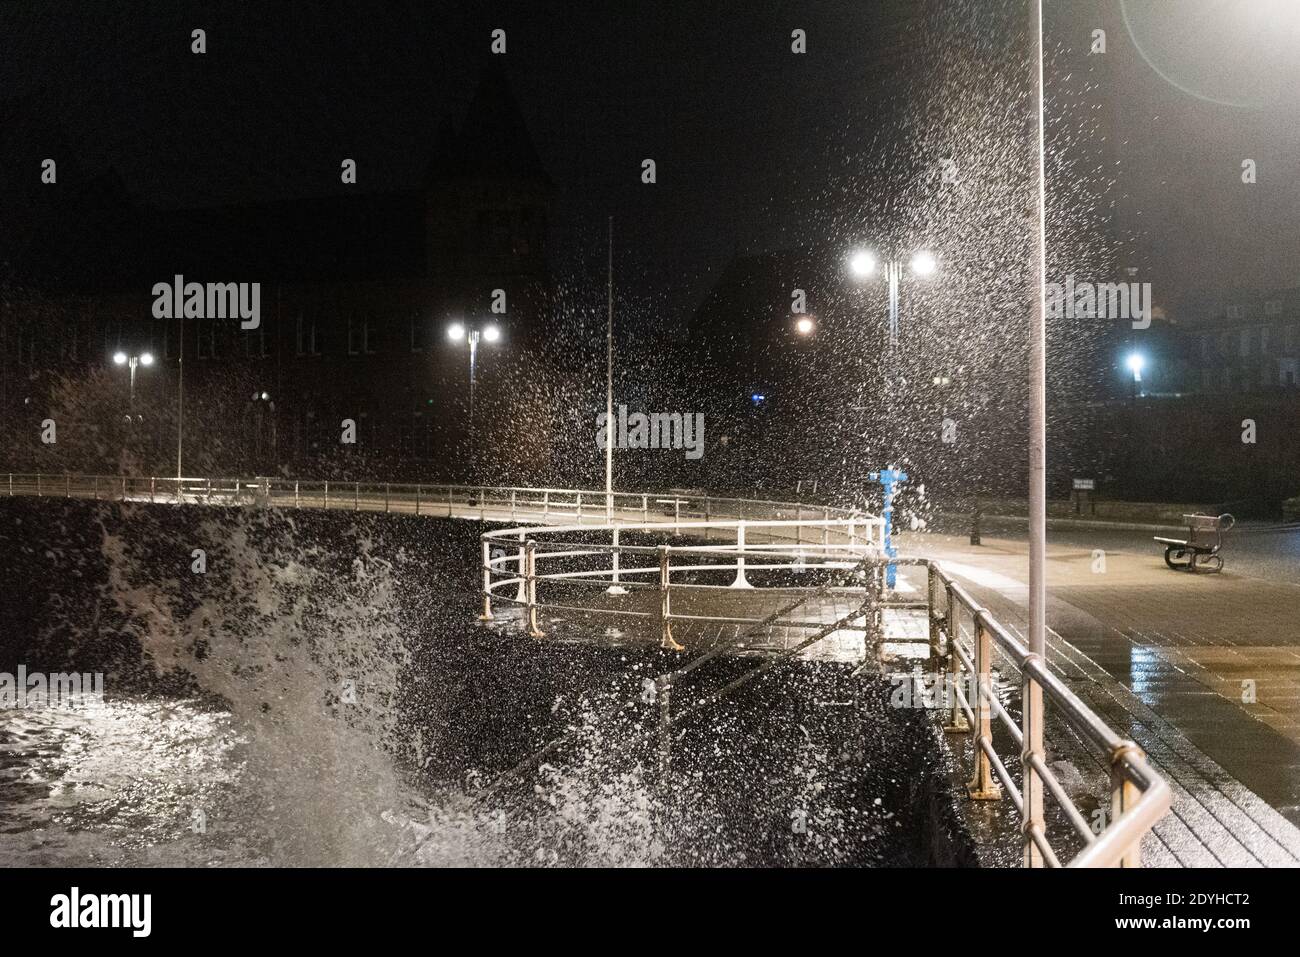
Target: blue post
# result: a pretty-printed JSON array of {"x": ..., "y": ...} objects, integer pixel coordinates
[{"x": 888, "y": 478}]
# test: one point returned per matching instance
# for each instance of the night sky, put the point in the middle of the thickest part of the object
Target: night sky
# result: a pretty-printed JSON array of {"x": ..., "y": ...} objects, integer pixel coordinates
[{"x": 753, "y": 144}]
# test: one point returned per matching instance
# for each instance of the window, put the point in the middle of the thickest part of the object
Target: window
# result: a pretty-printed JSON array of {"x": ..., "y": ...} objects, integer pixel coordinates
[
  {"x": 1246, "y": 340},
  {"x": 207, "y": 338},
  {"x": 255, "y": 342},
  {"x": 355, "y": 334},
  {"x": 369, "y": 336},
  {"x": 1235, "y": 312},
  {"x": 305, "y": 332},
  {"x": 1273, "y": 307}
]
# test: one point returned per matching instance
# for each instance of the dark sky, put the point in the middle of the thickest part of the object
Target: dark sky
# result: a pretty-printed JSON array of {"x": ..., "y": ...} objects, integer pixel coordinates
[{"x": 745, "y": 134}]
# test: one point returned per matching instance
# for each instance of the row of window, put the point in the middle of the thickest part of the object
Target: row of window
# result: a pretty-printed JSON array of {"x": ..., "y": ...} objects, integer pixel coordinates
[
  {"x": 212, "y": 338},
  {"x": 1254, "y": 340},
  {"x": 1272, "y": 307}
]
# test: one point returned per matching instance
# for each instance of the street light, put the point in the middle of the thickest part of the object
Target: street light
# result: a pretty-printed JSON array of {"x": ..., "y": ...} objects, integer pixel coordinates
[
  {"x": 862, "y": 263},
  {"x": 1136, "y": 363},
  {"x": 458, "y": 332},
  {"x": 804, "y": 326},
  {"x": 122, "y": 359}
]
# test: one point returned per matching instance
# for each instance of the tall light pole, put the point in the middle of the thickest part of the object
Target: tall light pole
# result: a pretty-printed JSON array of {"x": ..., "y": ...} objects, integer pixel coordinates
[
  {"x": 144, "y": 359},
  {"x": 609, "y": 380},
  {"x": 1032, "y": 710},
  {"x": 470, "y": 335},
  {"x": 180, "y": 406}
]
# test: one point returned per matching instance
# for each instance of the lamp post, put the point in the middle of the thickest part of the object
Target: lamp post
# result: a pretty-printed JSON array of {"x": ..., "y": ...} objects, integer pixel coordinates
[
  {"x": 862, "y": 264},
  {"x": 132, "y": 361},
  {"x": 1032, "y": 708},
  {"x": 471, "y": 334},
  {"x": 1136, "y": 362}
]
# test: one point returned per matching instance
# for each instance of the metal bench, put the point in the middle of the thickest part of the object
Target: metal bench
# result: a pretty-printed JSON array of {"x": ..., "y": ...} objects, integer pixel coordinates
[{"x": 1201, "y": 547}]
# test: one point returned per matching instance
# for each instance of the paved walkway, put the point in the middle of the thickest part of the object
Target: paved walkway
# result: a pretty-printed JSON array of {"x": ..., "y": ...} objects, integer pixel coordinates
[{"x": 1163, "y": 656}]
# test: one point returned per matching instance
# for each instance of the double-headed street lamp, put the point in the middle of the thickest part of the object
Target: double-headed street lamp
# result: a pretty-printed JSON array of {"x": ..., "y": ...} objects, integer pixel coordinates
[
  {"x": 132, "y": 361},
  {"x": 470, "y": 334},
  {"x": 459, "y": 333},
  {"x": 862, "y": 264}
]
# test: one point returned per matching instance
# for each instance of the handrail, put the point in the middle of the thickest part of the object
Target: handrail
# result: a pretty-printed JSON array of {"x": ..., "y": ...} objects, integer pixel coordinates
[
  {"x": 1139, "y": 796},
  {"x": 841, "y": 539}
]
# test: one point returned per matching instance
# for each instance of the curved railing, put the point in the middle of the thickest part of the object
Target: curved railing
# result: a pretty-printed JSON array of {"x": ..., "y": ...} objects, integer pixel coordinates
[
  {"x": 702, "y": 545},
  {"x": 966, "y": 643}
]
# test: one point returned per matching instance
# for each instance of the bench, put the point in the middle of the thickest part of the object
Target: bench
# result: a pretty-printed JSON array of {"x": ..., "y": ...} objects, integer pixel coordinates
[{"x": 1201, "y": 547}]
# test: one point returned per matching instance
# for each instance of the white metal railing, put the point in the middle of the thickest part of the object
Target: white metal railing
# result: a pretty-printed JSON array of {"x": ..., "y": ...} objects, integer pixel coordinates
[
  {"x": 763, "y": 537},
  {"x": 487, "y": 502},
  {"x": 516, "y": 562}
]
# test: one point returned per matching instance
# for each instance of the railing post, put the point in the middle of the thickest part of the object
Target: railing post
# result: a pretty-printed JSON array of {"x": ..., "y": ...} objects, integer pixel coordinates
[
  {"x": 297, "y": 499},
  {"x": 356, "y": 496},
  {"x": 1031, "y": 707},
  {"x": 873, "y": 620},
  {"x": 123, "y": 487},
  {"x": 579, "y": 508},
  {"x": 645, "y": 509},
  {"x": 152, "y": 482},
  {"x": 1123, "y": 795},
  {"x": 417, "y": 498},
  {"x": 741, "y": 581},
  {"x": 521, "y": 593},
  {"x": 957, "y": 722},
  {"x": 386, "y": 495},
  {"x": 615, "y": 588},
  {"x": 327, "y": 496},
  {"x": 449, "y": 501},
  {"x": 513, "y": 494},
  {"x": 38, "y": 485},
  {"x": 96, "y": 488},
  {"x": 826, "y": 529},
  {"x": 481, "y": 504},
  {"x": 546, "y": 503},
  {"x": 666, "y": 640},
  {"x": 982, "y": 786},
  {"x": 530, "y": 566},
  {"x": 11, "y": 484},
  {"x": 486, "y": 614},
  {"x": 936, "y": 658}
]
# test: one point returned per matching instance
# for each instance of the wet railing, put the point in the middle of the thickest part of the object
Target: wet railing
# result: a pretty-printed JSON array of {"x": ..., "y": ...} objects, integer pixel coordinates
[
  {"x": 750, "y": 544},
  {"x": 517, "y": 563},
  {"x": 486, "y": 502}
]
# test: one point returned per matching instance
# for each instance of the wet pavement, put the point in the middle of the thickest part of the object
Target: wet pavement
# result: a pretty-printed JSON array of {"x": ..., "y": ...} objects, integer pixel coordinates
[{"x": 1171, "y": 659}]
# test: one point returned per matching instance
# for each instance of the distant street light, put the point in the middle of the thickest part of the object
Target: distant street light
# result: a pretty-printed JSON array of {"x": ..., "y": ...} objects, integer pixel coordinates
[
  {"x": 458, "y": 332},
  {"x": 122, "y": 359},
  {"x": 1136, "y": 363},
  {"x": 862, "y": 263},
  {"x": 804, "y": 326}
]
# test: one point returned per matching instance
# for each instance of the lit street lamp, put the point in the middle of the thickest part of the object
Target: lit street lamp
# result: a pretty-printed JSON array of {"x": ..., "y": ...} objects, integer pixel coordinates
[
  {"x": 144, "y": 359},
  {"x": 1136, "y": 362},
  {"x": 862, "y": 264},
  {"x": 459, "y": 333}
]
